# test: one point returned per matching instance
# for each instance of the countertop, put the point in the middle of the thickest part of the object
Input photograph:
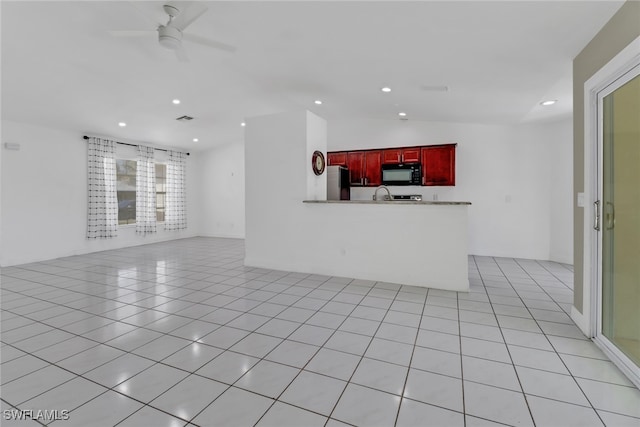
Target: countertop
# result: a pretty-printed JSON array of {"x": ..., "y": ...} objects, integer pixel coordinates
[{"x": 389, "y": 202}]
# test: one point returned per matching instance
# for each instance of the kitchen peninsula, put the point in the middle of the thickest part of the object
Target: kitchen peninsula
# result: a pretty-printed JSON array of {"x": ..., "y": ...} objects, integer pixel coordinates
[
  {"x": 419, "y": 243},
  {"x": 291, "y": 226}
]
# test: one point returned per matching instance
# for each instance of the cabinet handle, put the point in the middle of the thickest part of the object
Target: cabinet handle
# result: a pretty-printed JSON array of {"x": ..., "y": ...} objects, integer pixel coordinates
[
  {"x": 596, "y": 217},
  {"x": 366, "y": 180}
]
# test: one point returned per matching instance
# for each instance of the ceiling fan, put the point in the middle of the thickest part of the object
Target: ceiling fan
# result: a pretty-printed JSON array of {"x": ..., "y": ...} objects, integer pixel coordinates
[{"x": 171, "y": 34}]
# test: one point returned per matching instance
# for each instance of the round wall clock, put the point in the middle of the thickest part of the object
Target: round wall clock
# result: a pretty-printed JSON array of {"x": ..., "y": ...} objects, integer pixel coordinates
[{"x": 317, "y": 162}]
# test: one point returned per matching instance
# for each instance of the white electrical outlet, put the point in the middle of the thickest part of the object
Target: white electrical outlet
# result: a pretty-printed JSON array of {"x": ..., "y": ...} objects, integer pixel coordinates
[{"x": 580, "y": 200}]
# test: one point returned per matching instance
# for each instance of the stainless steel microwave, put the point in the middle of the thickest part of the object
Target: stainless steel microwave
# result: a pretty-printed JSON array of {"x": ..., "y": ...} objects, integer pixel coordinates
[{"x": 402, "y": 174}]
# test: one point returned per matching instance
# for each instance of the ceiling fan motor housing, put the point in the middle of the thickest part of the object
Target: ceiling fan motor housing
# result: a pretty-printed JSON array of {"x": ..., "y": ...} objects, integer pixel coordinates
[{"x": 170, "y": 37}]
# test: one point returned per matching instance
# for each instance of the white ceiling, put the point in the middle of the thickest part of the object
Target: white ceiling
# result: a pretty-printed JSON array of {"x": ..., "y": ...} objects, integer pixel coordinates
[{"x": 62, "y": 68}]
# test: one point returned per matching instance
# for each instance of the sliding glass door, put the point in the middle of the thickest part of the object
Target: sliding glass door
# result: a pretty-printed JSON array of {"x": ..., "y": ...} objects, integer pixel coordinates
[{"x": 619, "y": 302}]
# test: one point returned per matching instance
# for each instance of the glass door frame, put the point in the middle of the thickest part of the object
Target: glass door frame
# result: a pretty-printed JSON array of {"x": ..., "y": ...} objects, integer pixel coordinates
[
  {"x": 611, "y": 350},
  {"x": 622, "y": 68}
]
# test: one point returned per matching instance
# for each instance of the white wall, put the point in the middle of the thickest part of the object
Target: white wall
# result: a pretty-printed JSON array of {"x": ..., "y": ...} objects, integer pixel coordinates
[
  {"x": 421, "y": 245},
  {"x": 44, "y": 198},
  {"x": 529, "y": 163},
  {"x": 222, "y": 191},
  {"x": 559, "y": 142},
  {"x": 277, "y": 181},
  {"x": 316, "y": 141},
  {"x": 505, "y": 171},
  {"x": 2, "y": 142}
]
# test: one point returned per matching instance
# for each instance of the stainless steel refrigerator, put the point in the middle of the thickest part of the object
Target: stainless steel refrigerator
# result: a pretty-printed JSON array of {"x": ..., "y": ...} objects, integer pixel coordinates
[{"x": 338, "y": 183}]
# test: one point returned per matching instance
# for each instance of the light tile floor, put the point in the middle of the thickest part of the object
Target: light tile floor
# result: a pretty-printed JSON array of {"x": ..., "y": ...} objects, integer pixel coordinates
[{"x": 181, "y": 333}]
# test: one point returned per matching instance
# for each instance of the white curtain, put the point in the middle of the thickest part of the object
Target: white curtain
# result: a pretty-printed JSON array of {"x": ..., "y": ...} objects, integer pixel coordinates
[
  {"x": 176, "y": 201},
  {"x": 145, "y": 191},
  {"x": 102, "y": 212}
]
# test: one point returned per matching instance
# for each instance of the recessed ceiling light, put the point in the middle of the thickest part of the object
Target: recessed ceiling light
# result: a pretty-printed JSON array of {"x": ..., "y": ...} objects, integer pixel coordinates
[
  {"x": 549, "y": 102},
  {"x": 243, "y": 124},
  {"x": 317, "y": 101},
  {"x": 386, "y": 89},
  {"x": 122, "y": 124},
  {"x": 176, "y": 101},
  {"x": 402, "y": 114},
  {"x": 195, "y": 139}
]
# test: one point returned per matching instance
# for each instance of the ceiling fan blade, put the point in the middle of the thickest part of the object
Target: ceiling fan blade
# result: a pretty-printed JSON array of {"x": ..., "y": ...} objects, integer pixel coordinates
[
  {"x": 207, "y": 42},
  {"x": 191, "y": 12},
  {"x": 133, "y": 33},
  {"x": 181, "y": 54}
]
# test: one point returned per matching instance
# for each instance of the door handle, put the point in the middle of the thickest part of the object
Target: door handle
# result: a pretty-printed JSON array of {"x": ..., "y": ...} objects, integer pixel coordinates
[
  {"x": 596, "y": 216},
  {"x": 611, "y": 216}
]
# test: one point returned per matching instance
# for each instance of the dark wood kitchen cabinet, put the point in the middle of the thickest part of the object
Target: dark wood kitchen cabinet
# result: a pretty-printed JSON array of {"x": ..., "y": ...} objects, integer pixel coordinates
[
  {"x": 411, "y": 155},
  {"x": 373, "y": 168},
  {"x": 391, "y": 156},
  {"x": 401, "y": 155},
  {"x": 365, "y": 167},
  {"x": 439, "y": 165},
  {"x": 337, "y": 158},
  {"x": 355, "y": 164}
]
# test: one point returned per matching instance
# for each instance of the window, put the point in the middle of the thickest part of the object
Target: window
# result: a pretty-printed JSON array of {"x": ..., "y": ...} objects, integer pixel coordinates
[
  {"x": 126, "y": 188},
  {"x": 161, "y": 191}
]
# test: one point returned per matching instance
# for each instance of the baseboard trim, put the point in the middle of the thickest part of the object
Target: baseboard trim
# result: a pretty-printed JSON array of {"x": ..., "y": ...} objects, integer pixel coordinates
[
  {"x": 221, "y": 236},
  {"x": 581, "y": 321}
]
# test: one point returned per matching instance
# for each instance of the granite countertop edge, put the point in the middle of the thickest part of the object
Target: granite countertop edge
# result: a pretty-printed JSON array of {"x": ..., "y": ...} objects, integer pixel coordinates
[{"x": 388, "y": 202}]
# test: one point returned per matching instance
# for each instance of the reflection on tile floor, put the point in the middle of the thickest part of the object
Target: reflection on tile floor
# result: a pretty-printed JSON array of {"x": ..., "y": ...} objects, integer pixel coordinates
[{"x": 181, "y": 333}]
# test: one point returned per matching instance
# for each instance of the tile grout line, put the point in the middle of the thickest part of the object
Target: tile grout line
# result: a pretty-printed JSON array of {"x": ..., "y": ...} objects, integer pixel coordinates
[
  {"x": 551, "y": 272},
  {"x": 464, "y": 408},
  {"x": 108, "y": 388},
  {"x": 277, "y": 399},
  {"x": 362, "y": 357},
  {"x": 192, "y": 276},
  {"x": 557, "y": 354},
  {"x": 526, "y": 401},
  {"x": 230, "y": 385},
  {"x": 415, "y": 343},
  {"x": 113, "y": 387},
  {"x": 291, "y": 333},
  {"x": 568, "y": 370}
]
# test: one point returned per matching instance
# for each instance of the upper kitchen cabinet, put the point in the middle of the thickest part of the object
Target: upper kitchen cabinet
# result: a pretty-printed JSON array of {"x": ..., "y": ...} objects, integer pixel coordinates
[
  {"x": 365, "y": 167},
  {"x": 337, "y": 158},
  {"x": 401, "y": 155},
  {"x": 439, "y": 165},
  {"x": 355, "y": 163},
  {"x": 373, "y": 168}
]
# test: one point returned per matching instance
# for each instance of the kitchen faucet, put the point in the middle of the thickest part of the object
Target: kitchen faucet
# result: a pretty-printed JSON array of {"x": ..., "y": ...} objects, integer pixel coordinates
[{"x": 382, "y": 187}]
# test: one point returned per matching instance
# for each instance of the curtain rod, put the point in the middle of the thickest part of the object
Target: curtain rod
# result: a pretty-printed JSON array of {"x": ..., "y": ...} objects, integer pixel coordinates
[{"x": 135, "y": 145}]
